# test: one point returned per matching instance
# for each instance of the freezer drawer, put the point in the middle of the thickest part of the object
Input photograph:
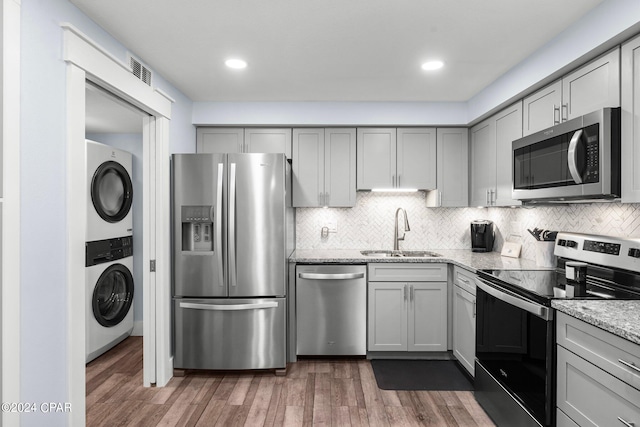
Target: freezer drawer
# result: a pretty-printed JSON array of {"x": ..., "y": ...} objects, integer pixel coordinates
[
  {"x": 331, "y": 310},
  {"x": 230, "y": 333}
]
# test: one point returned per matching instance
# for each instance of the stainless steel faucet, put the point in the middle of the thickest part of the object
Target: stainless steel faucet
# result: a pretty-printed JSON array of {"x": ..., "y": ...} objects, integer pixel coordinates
[{"x": 406, "y": 228}]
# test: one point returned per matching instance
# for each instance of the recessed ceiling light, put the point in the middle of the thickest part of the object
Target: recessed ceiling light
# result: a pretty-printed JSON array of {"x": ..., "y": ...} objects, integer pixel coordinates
[
  {"x": 237, "y": 64},
  {"x": 432, "y": 65}
]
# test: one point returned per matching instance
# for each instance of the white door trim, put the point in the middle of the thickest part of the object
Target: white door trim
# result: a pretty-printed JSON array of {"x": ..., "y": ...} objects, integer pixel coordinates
[
  {"x": 10, "y": 202},
  {"x": 88, "y": 61}
]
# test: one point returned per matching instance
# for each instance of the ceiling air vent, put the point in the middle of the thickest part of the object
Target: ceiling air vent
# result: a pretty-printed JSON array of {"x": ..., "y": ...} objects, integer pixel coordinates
[{"x": 140, "y": 70}]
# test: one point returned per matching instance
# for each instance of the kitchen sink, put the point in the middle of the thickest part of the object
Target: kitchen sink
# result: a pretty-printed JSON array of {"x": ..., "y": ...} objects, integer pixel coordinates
[{"x": 399, "y": 254}]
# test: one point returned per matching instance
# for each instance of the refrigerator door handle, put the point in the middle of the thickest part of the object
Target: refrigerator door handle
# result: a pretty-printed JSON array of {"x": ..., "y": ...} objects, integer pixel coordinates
[
  {"x": 232, "y": 224},
  {"x": 218, "y": 220},
  {"x": 229, "y": 307}
]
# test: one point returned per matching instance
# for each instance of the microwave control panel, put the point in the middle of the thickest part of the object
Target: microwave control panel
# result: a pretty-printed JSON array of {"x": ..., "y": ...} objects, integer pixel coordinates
[{"x": 592, "y": 154}]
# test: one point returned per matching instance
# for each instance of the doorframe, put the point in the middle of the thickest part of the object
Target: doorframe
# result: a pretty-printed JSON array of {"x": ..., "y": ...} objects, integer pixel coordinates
[
  {"x": 10, "y": 197},
  {"x": 86, "y": 60}
]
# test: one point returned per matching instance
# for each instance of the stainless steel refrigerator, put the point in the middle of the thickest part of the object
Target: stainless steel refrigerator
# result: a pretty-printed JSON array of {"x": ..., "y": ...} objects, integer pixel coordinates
[{"x": 233, "y": 231}]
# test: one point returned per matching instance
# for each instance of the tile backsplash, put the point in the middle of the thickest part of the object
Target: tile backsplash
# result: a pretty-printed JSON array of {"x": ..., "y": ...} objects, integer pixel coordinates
[{"x": 369, "y": 225}]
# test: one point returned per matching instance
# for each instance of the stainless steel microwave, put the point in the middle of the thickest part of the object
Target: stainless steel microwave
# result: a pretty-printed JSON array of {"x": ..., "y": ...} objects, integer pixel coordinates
[{"x": 575, "y": 160}]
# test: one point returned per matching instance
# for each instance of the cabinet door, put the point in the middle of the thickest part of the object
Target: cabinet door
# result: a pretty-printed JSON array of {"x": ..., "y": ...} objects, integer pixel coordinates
[
  {"x": 340, "y": 167},
  {"x": 592, "y": 397},
  {"x": 592, "y": 87},
  {"x": 464, "y": 328},
  {"x": 376, "y": 155},
  {"x": 508, "y": 127},
  {"x": 452, "y": 168},
  {"x": 267, "y": 141},
  {"x": 219, "y": 140},
  {"x": 416, "y": 158},
  {"x": 427, "y": 317},
  {"x": 483, "y": 162},
  {"x": 631, "y": 121},
  {"x": 308, "y": 167},
  {"x": 387, "y": 316},
  {"x": 542, "y": 109}
]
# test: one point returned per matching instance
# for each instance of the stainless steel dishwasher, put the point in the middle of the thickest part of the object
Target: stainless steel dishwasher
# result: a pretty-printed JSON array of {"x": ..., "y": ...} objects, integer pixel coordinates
[{"x": 331, "y": 310}]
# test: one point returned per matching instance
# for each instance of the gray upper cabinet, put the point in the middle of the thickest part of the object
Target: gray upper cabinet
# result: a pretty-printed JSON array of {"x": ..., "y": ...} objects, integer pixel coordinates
[
  {"x": 416, "y": 158},
  {"x": 594, "y": 86},
  {"x": 219, "y": 140},
  {"x": 508, "y": 127},
  {"x": 376, "y": 155},
  {"x": 452, "y": 178},
  {"x": 483, "y": 163},
  {"x": 243, "y": 140},
  {"x": 324, "y": 167},
  {"x": 390, "y": 158},
  {"x": 631, "y": 121},
  {"x": 268, "y": 140},
  {"x": 542, "y": 109},
  {"x": 491, "y": 180},
  {"x": 589, "y": 88}
]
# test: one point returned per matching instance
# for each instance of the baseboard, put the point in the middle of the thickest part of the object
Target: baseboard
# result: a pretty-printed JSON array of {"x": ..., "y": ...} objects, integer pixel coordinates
[{"x": 137, "y": 328}]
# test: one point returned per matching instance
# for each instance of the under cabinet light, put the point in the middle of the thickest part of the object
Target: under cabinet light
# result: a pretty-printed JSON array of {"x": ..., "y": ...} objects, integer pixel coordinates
[
  {"x": 237, "y": 64},
  {"x": 395, "y": 190}
]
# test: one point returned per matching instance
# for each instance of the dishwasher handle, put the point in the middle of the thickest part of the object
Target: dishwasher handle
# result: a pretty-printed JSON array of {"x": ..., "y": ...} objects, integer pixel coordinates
[{"x": 331, "y": 276}]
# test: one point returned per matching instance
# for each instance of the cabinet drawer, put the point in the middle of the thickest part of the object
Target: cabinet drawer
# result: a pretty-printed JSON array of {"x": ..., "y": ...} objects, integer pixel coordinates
[
  {"x": 415, "y": 272},
  {"x": 563, "y": 421},
  {"x": 603, "y": 349},
  {"x": 592, "y": 397},
  {"x": 465, "y": 279}
]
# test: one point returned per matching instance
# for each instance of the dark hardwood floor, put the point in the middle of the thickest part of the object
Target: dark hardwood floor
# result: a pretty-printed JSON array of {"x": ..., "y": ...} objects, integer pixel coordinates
[{"x": 314, "y": 392}]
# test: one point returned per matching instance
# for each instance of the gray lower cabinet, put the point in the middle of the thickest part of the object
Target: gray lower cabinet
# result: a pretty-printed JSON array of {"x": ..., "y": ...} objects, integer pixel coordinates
[
  {"x": 598, "y": 382},
  {"x": 407, "y": 307},
  {"x": 464, "y": 318}
]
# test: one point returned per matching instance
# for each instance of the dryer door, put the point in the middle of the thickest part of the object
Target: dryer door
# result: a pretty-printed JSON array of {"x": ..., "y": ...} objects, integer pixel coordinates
[
  {"x": 111, "y": 191},
  {"x": 113, "y": 295}
]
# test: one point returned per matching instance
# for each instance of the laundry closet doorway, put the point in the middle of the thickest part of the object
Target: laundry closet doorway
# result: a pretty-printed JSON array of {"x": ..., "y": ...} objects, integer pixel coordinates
[{"x": 88, "y": 62}]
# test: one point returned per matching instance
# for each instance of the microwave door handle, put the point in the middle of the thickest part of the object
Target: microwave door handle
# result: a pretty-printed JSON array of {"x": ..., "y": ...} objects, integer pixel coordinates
[{"x": 572, "y": 156}]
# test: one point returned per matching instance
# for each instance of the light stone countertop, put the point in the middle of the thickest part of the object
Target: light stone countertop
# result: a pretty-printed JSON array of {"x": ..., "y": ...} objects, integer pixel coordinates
[
  {"x": 461, "y": 257},
  {"x": 621, "y": 318}
]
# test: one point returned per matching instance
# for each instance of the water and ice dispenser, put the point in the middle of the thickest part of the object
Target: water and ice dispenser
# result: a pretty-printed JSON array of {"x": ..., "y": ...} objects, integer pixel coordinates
[{"x": 197, "y": 229}]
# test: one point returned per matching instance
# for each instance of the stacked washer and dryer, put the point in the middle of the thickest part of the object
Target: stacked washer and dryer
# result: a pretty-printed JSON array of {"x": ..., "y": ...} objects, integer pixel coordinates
[{"x": 108, "y": 248}]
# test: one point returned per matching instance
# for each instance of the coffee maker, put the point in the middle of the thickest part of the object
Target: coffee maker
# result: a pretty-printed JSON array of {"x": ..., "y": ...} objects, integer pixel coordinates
[{"x": 482, "y": 236}]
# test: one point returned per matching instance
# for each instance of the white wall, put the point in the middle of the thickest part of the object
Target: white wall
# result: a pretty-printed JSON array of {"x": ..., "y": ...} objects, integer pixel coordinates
[{"x": 43, "y": 173}]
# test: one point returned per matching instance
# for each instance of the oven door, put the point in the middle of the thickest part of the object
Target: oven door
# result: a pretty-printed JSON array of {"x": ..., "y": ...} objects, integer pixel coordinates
[{"x": 514, "y": 347}]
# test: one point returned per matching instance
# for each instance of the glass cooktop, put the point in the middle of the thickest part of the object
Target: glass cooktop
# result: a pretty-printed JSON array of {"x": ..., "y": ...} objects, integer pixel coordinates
[{"x": 552, "y": 284}]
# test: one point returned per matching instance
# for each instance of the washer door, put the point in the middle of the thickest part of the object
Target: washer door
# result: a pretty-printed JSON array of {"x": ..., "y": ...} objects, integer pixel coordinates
[
  {"x": 111, "y": 191},
  {"x": 113, "y": 295}
]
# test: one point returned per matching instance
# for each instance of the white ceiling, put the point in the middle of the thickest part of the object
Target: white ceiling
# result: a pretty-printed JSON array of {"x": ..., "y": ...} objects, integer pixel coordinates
[{"x": 333, "y": 50}]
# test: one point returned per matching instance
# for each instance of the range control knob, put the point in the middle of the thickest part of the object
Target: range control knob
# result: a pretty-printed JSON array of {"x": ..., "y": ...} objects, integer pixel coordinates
[
  {"x": 634, "y": 252},
  {"x": 572, "y": 244}
]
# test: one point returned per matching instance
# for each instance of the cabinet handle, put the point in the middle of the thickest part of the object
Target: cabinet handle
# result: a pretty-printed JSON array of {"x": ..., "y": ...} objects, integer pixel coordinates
[
  {"x": 487, "y": 198},
  {"x": 320, "y": 199},
  {"x": 462, "y": 279},
  {"x": 393, "y": 181},
  {"x": 626, "y": 423},
  {"x": 439, "y": 198},
  {"x": 494, "y": 196},
  {"x": 474, "y": 309},
  {"x": 399, "y": 180},
  {"x": 411, "y": 293},
  {"x": 629, "y": 365},
  {"x": 556, "y": 110},
  {"x": 326, "y": 199},
  {"x": 565, "y": 112},
  {"x": 405, "y": 293}
]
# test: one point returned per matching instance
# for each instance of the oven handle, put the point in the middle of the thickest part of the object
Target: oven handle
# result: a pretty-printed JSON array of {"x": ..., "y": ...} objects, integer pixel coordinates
[{"x": 533, "y": 308}]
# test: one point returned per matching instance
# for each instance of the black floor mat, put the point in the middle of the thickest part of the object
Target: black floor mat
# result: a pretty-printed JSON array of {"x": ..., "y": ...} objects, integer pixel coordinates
[{"x": 444, "y": 375}]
